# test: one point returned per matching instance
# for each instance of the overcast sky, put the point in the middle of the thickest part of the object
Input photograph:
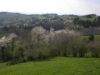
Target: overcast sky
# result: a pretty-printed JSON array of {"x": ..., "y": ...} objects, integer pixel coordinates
[{"x": 78, "y": 7}]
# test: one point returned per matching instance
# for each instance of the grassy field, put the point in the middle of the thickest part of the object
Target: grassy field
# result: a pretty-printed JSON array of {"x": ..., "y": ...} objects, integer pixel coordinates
[
  {"x": 55, "y": 66},
  {"x": 97, "y": 37}
]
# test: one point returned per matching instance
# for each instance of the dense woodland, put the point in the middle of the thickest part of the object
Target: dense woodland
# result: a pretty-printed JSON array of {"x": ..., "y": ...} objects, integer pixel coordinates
[{"x": 37, "y": 37}]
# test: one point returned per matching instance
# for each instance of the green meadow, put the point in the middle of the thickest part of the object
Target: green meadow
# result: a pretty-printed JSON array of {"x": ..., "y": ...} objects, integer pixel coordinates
[{"x": 54, "y": 66}]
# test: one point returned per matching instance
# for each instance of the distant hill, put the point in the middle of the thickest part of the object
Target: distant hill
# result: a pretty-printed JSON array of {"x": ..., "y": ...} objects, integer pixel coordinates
[{"x": 12, "y": 22}]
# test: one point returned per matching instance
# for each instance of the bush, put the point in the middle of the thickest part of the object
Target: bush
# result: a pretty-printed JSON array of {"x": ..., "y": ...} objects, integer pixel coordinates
[{"x": 94, "y": 49}]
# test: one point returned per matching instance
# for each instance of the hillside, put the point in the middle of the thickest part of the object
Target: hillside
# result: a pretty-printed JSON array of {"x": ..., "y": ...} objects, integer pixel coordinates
[
  {"x": 55, "y": 66},
  {"x": 38, "y": 37},
  {"x": 16, "y": 22}
]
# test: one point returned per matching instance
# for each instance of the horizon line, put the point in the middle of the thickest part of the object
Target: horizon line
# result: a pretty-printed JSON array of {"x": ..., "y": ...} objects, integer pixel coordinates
[{"x": 47, "y": 13}]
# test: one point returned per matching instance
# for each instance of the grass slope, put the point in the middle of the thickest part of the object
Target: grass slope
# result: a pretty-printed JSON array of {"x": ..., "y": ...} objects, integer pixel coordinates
[
  {"x": 55, "y": 66},
  {"x": 97, "y": 37}
]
